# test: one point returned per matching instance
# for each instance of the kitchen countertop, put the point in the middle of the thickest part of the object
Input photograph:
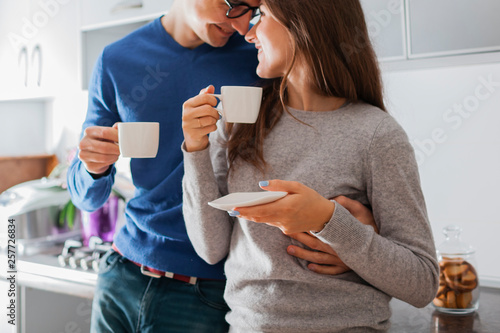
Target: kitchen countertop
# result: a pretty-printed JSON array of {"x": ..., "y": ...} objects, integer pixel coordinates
[
  {"x": 408, "y": 319},
  {"x": 44, "y": 272}
]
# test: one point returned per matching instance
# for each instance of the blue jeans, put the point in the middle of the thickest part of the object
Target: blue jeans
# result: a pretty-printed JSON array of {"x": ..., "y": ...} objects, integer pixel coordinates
[{"x": 125, "y": 300}]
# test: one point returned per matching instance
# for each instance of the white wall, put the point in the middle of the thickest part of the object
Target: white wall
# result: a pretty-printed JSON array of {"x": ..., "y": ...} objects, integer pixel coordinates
[
  {"x": 23, "y": 129},
  {"x": 452, "y": 117},
  {"x": 68, "y": 113}
]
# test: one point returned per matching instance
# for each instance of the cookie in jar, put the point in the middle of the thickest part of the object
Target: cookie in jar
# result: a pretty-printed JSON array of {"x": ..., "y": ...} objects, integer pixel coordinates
[{"x": 458, "y": 279}]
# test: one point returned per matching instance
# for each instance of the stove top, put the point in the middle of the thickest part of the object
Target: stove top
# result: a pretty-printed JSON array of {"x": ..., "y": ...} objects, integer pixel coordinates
[
  {"x": 69, "y": 268},
  {"x": 77, "y": 256}
]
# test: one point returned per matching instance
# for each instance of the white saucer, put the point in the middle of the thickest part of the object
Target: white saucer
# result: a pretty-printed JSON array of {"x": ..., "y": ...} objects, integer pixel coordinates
[{"x": 245, "y": 199}]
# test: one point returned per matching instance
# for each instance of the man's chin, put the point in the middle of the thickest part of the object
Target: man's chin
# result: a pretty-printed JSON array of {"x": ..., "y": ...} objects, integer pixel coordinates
[{"x": 218, "y": 42}]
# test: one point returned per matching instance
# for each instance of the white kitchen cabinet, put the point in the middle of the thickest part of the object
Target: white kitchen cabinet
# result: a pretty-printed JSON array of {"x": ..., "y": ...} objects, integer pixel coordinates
[
  {"x": 447, "y": 27},
  {"x": 58, "y": 44},
  {"x": 386, "y": 25},
  {"x": 104, "y": 23},
  {"x": 39, "y": 55},
  {"x": 65, "y": 313},
  {"x": 12, "y": 59},
  {"x": 39, "y": 65},
  {"x": 98, "y": 13}
]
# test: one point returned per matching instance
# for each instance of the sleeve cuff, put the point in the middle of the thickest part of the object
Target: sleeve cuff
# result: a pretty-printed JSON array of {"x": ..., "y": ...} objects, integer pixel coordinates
[
  {"x": 90, "y": 178},
  {"x": 343, "y": 230},
  {"x": 105, "y": 174}
]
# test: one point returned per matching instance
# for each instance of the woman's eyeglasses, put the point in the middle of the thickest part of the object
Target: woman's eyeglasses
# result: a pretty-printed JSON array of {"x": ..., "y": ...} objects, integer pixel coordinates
[{"x": 238, "y": 10}]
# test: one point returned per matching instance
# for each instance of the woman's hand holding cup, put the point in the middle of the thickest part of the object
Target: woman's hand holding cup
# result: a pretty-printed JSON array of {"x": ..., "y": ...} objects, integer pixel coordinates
[{"x": 199, "y": 118}]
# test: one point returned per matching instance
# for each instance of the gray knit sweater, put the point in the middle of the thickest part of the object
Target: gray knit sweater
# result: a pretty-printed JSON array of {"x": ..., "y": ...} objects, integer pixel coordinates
[{"x": 357, "y": 151}]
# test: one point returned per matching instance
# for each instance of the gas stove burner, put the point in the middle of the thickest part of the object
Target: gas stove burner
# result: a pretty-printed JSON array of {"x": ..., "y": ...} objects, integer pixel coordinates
[{"x": 76, "y": 255}]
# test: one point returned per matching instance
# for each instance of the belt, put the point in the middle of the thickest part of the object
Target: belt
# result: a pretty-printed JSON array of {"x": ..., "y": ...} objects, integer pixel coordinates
[{"x": 158, "y": 274}]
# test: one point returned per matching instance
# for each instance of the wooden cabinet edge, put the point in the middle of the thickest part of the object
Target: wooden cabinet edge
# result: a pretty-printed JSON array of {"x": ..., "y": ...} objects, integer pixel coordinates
[{"x": 18, "y": 169}]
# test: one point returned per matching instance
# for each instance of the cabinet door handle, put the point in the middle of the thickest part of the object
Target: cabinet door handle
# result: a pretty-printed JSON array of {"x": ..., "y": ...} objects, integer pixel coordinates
[
  {"x": 23, "y": 53},
  {"x": 37, "y": 54},
  {"x": 126, "y": 5}
]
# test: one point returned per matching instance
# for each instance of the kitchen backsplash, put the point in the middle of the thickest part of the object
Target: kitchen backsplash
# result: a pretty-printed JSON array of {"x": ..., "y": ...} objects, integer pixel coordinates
[{"x": 452, "y": 117}]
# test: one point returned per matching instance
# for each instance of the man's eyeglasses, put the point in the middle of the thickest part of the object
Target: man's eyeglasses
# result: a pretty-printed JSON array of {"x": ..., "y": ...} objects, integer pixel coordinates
[{"x": 240, "y": 9}]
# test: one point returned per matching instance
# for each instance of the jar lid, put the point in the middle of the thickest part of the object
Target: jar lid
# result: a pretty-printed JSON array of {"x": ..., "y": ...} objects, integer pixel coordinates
[{"x": 453, "y": 245}]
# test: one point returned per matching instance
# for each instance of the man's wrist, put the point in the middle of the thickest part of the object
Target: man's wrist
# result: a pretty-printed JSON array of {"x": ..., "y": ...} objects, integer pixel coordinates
[{"x": 100, "y": 175}]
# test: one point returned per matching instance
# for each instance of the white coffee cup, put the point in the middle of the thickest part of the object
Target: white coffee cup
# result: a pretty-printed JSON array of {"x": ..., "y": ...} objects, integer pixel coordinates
[
  {"x": 139, "y": 139},
  {"x": 240, "y": 104}
]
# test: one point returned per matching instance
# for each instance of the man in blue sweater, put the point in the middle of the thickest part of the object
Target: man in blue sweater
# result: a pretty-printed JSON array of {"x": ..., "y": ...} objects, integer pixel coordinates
[{"x": 153, "y": 281}]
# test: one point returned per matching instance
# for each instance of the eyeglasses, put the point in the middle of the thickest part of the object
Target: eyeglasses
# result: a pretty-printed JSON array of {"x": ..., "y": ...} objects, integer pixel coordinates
[{"x": 238, "y": 10}]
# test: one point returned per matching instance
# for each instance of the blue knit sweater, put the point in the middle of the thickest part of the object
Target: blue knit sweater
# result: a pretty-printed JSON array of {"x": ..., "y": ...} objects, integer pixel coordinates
[{"x": 147, "y": 76}]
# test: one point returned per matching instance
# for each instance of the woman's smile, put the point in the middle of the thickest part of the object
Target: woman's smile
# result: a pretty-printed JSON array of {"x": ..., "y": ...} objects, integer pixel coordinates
[{"x": 273, "y": 43}]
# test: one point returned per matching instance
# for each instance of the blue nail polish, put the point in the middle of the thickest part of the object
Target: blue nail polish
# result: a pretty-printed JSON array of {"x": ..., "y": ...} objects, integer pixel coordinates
[
  {"x": 233, "y": 213},
  {"x": 263, "y": 183}
]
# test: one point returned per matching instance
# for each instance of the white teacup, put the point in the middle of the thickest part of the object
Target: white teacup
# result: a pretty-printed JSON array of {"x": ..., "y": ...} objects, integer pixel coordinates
[
  {"x": 139, "y": 139},
  {"x": 240, "y": 104}
]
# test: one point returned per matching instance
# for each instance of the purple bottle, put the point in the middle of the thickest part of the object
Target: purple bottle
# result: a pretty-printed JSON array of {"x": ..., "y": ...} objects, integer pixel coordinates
[{"x": 101, "y": 222}]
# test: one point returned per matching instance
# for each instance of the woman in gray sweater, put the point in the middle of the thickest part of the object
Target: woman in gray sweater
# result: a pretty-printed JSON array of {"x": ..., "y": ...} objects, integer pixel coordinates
[{"x": 322, "y": 132}]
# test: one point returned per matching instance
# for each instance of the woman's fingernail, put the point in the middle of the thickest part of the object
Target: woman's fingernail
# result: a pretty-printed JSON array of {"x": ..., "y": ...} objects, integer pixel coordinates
[
  {"x": 263, "y": 183},
  {"x": 290, "y": 250},
  {"x": 233, "y": 213}
]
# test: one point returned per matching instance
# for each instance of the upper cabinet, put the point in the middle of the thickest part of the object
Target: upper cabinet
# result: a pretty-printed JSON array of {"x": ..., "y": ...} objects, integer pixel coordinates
[
  {"x": 40, "y": 51},
  {"x": 413, "y": 29},
  {"x": 386, "y": 25},
  {"x": 57, "y": 45},
  {"x": 13, "y": 51},
  {"x": 98, "y": 13},
  {"x": 51, "y": 46},
  {"x": 102, "y": 23},
  {"x": 447, "y": 27}
]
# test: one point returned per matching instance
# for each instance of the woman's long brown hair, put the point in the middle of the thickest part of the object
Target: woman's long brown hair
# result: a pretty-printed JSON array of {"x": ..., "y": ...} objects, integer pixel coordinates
[{"x": 331, "y": 36}]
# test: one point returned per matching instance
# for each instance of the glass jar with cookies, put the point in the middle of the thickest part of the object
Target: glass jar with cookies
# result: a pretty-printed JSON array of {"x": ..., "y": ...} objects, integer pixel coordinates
[{"x": 458, "y": 279}]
